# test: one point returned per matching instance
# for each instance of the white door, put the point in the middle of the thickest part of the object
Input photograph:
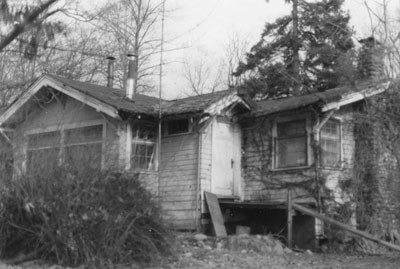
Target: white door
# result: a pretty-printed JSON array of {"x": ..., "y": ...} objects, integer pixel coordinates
[{"x": 222, "y": 159}]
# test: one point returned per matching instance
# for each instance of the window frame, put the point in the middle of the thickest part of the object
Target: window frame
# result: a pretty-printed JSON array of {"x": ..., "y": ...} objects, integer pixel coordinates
[
  {"x": 136, "y": 140},
  {"x": 62, "y": 146},
  {"x": 340, "y": 146},
  {"x": 41, "y": 148},
  {"x": 275, "y": 148},
  {"x": 166, "y": 131},
  {"x": 66, "y": 144}
]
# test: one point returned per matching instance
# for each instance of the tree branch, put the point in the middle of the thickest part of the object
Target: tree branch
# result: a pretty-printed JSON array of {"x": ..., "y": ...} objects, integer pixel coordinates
[{"x": 29, "y": 19}]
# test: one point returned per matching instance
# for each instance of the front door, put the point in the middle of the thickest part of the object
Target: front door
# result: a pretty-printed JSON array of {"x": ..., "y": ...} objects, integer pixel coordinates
[{"x": 223, "y": 161}]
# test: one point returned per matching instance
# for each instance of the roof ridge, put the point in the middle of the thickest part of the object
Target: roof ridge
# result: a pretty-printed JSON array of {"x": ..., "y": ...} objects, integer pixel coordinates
[{"x": 117, "y": 90}]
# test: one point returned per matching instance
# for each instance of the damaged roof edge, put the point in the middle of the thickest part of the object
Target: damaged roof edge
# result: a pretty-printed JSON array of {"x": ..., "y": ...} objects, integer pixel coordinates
[
  {"x": 325, "y": 101},
  {"x": 357, "y": 96}
]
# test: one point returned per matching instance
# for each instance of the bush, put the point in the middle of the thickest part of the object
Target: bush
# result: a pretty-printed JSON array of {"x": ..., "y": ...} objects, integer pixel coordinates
[{"x": 90, "y": 217}]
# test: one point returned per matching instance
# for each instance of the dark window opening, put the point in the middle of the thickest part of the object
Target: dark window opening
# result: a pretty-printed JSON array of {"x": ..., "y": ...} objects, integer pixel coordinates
[
  {"x": 180, "y": 126},
  {"x": 291, "y": 147}
]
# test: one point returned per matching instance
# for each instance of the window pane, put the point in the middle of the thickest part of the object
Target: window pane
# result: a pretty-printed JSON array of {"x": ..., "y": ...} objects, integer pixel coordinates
[
  {"x": 42, "y": 160},
  {"x": 178, "y": 126},
  {"x": 291, "y": 144},
  {"x": 81, "y": 156},
  {"x": 43, "y": 152},
  {"x": 292, "y": 152},
  {"x": 142, "y": 156},
  {"x": 84, "y": 147},
  {"x": 48, "y": 139},
  {"x": 330, "y": 143},
  {"x": 291, "y": 128},
  {"x": 141, "y": 134},
  {"x": 85, "y": 134}
]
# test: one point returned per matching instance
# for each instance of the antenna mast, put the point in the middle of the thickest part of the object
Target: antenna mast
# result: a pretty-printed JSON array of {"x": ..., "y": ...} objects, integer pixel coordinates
[{"x": 160, "y": 95}]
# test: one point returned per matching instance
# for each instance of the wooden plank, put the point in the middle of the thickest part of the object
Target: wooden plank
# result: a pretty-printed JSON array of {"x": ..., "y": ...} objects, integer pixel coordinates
[
  {"x": 289, "y": 219},
  {"x": 344, "y": 226},
  {"x": 216, "y": 214}
]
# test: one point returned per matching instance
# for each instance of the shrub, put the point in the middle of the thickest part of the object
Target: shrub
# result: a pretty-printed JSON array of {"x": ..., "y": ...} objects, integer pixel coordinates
[{"x": 86, "y": 217}]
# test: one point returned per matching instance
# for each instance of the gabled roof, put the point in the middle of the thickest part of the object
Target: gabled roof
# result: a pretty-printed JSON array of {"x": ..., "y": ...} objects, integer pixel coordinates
[
  {"x": 114, "y": 97},
  {"x": 328, "y": 100},
  {"x": 113, "y": 102}
]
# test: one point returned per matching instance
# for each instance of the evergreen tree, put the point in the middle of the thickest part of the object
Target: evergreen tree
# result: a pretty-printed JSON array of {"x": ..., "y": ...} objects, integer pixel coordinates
[{"x": 309, "y": 50}]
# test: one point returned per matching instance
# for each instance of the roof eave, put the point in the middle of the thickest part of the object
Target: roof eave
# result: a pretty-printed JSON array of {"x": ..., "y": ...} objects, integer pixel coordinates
[
  {"x": 217, "y": 107},
  {"x": 57, "y": 85},
  {"x": 355, "y": 97}
]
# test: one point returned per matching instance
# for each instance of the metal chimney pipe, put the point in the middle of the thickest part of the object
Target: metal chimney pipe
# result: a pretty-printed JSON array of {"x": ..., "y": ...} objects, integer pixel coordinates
[
  {"x": 110, "y": 71},
  {"x": 130, "y": 82}
]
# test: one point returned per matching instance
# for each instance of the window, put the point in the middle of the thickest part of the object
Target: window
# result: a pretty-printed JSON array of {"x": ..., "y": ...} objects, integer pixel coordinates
[
  {"x": 179, "y": 126},
  {"x": 330, "y": 143},
  {"x": 83, "y": 146},
  {"x": 77, "y": 147},
  {"x": 43, "y": 152},
  {"x": 291, "y": 144},
  {"x": 143, "y": 149}
]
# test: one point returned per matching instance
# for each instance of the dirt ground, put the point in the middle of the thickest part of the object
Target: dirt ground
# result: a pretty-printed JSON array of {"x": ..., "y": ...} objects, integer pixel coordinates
[
  {"x": 249, "y": 252},
  {"x": 263, "y": 252}
]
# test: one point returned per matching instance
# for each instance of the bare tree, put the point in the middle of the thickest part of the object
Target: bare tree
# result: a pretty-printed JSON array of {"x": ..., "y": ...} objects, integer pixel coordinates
[
  {"x": 203, "y": 77},
  {"x": 22, "y": 19},
  {"x": 235, "y": 53},
  {"x": 131, "y": 26},
  {"x": 384, "y": 27}
]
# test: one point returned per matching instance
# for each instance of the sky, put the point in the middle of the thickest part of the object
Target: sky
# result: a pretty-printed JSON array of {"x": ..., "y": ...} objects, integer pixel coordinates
[{"x": 202, "y": 28}]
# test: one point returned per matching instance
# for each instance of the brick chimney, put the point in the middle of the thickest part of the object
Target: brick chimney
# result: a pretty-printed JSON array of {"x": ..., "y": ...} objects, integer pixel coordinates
[{"x": 371, "y": 59}]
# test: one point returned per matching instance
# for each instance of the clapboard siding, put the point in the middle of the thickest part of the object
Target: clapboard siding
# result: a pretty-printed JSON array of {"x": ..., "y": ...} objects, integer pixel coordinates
[{"x": 179, "y": 169}]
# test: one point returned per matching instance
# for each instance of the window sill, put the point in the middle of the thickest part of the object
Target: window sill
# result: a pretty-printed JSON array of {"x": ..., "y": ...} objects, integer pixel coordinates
[
  {"x": 331, "y": 167},
  {"x": 289, "y": 169},
  {"x": 144, "y": 171},
  {"x": 174, "y": 135}
]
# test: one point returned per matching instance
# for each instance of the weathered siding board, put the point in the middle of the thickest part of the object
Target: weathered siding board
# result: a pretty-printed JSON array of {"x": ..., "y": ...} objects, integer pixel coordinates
[
  {"x": 178, "y": 183},
  {"x": 111, "y": 144},
  {"x": 206, "y": 164}
]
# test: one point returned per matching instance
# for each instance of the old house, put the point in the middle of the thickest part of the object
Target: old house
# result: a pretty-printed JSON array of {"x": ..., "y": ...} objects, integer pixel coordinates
[{"x": 248, "y": 153}]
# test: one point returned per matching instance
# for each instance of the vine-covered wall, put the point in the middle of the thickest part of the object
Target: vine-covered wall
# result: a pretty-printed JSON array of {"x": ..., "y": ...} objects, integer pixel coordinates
[
  {"x": 265, "y": 184},
  {"x": 376, "y": 183}
]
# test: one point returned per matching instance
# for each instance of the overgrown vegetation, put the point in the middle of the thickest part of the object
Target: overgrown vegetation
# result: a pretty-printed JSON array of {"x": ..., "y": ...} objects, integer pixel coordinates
[
  {"x": 90, "y": 218},
  {"x": 375, "y": 185}
]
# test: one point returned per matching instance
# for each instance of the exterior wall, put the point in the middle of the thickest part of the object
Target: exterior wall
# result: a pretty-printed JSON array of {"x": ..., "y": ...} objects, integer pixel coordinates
[
  {"x": 378, "y": 157},
  {"x": 205, "y": 164},
  {"x": 265, "y": 184},
  {"x": 333, "y": 178},
  {"x": 386, "y": 206},
  {"x": 178, "y": 183},
  {"x": 57, "y": 115},
  {"x": 261, "y": 182},
  {"x": 149, "y": 179}
]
